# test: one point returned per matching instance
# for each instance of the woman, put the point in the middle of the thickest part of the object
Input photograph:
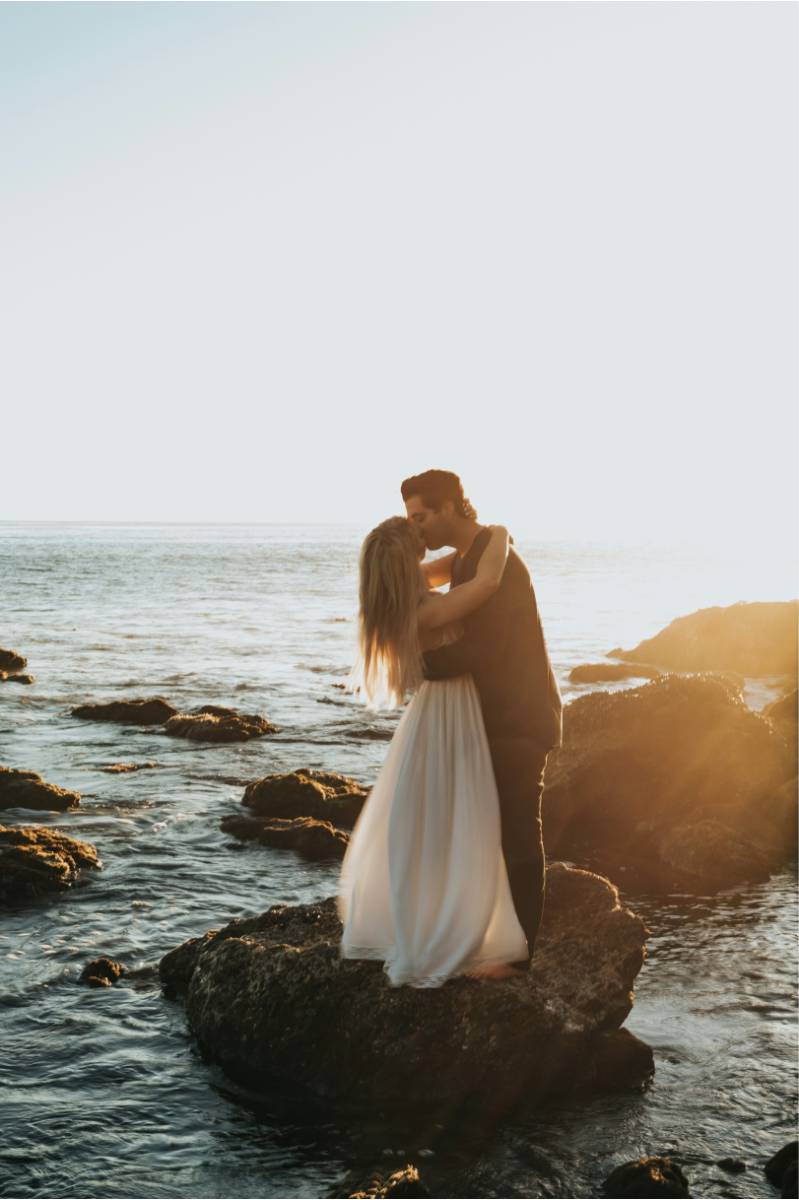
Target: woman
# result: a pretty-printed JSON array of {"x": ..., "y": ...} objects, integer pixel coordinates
[{"x": 423, "y": 884}]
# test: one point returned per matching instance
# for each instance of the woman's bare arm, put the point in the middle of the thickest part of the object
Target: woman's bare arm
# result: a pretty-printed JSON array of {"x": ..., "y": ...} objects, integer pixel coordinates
[
  {"x": 439, "y": 570},
  {"x": 436, "y": 610}
]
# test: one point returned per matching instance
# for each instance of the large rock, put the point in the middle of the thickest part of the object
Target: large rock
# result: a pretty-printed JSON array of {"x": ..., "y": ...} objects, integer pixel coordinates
[
  {"x": 316, "y": 840},
  {"x": 753, "y": 639},
  {"x": 610, "y": 672},
  {"x": 26, "y": 789},
  {"x": 672, "y": 785},
  {"x": 35, "y": 860},
  {"x": 271, "y": 1000},
  {"x": 11, "y": 662},
  {"x": 324, "y": 795},
  {"x": 151, "y": 711},
  {"x": 212, "y": 723}
]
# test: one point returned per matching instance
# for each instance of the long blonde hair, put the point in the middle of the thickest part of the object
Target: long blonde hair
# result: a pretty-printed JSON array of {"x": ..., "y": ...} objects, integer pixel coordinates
[{"x": 390, "y": 658}]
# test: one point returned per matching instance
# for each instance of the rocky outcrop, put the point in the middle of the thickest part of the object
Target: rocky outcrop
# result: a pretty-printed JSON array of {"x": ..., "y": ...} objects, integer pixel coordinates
[
  {"x": 152, "y": 711},
  {"x": 11, "y": 662},
  {"x": 271, "y": 1000},
  {"x": 316, "y": 840},
  {"x": 212, "y": 723},
  {"x": 675, "y": 785},
  {"x": 35, "y": 861},
  {"x": 653, "y": 1176},
  {"x": 609, "y": 672},
  {"x": 324, "y": 795},
  {"x": 26, "y": 789},
  {"x": 755, "y": 639},
  {"x": 405, "y": 1182},
  {"x": 102, "y": 972}
]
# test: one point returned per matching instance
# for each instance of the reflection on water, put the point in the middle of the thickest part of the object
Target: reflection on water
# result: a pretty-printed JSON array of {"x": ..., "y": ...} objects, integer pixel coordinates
[{"x": 104, "y": 1093}]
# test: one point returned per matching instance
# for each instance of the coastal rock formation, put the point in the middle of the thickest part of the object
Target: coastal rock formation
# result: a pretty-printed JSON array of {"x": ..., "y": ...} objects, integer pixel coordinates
[
  {"x": 212, "y": 723},
  {"x": 672, "y": 785},
  {"x": 152, "y": 711},
  {"x": 6, "y": 678},
  {"x": 784, "y": 716},
  {"x": 324, "y": 795},
  {"x": 405, "y": 1182},
  {"x": 102, "y": 972},
  {"x": 271, "y": 1000},
  {"x": 606, "y": 672},
  {"x": 653, "y": 1176},
  {"x": 35, "y": 860},
  {"x": 317, "y": 840},
  {"x": 26, "y": 789},
  {"x": 11, "y": 662},
  {"x": 753, "y": 639}
]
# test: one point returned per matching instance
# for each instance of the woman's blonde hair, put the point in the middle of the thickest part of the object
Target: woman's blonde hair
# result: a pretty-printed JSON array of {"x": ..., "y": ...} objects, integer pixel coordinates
[{"x": 390, "y": 658}]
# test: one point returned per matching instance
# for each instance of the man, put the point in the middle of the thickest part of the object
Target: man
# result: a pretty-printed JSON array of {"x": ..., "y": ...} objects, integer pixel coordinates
[{"x": 503, "y": 648}]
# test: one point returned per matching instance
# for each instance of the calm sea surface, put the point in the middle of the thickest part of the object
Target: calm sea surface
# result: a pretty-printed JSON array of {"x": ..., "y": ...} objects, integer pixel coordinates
[{"x": 103, "y": 1092}]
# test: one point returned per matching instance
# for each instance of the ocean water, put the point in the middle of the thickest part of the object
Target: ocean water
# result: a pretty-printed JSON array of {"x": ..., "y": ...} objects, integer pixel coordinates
[{"x": 104, "y": 1092}]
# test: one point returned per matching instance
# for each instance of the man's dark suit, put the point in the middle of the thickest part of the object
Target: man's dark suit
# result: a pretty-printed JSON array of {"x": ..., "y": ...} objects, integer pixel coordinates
[{"x": 503, "y": 648}]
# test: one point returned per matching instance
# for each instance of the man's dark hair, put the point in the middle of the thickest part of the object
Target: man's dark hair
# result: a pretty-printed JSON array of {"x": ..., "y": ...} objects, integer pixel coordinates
[{"x": 434, "y": 488}]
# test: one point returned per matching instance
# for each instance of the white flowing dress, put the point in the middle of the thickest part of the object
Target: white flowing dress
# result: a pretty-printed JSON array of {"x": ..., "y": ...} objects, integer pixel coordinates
[{"x": 423, "y": 884}]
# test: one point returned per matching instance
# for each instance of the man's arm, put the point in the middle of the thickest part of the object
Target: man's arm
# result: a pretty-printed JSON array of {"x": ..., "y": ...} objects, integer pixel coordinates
[{"x": 445, "y": 662}]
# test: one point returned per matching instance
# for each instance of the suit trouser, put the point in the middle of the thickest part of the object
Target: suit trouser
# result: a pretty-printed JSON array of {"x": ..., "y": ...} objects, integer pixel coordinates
[{"x": 519, "y": 772}]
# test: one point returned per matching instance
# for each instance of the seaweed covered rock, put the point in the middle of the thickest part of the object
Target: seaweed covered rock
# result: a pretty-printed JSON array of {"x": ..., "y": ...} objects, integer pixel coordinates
[
  {"x": 151, "y": 711},
  {"x": 271, "y": 1000},
  {"x": 35, "y": 861},
  {"x": 317, "y": 840},
  {"x": 754, "y": 639},
  {"x": 672, "y": 785},
  {"x": 26, "y": 789},
  {"x": 324, "y": 795},
  {"x": 11, "y": 662},
  {"x": 213, "y": 723}
]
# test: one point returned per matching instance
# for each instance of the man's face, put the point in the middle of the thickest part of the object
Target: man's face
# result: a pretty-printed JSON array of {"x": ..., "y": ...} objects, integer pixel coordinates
[{"x": 435, "y": 527}]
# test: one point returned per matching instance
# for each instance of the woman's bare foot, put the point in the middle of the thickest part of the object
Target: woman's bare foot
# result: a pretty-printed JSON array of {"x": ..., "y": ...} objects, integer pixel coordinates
[{"x": 502, "y": 971}]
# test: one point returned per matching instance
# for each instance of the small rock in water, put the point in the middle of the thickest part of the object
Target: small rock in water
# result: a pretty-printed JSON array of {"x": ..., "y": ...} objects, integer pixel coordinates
[
  {"x": 124, "y": 768},
  {"x": 652, "y": 1176},
  {"x": 35, "y": 860},
  {"x": 212, "y": 723},
  {"x": 26, "y": 789},
  {"x": 316, "y": 840},
  {"x": 734, "y": 1165},
  {"x": 102, "y": 972},
  {"x": 11, "y": 662},
  {"x": 152, "y": 711},
  {"x": 323, "y": 795},
  {"x": 6, "y": 678},
  {"x": 405, "y": 1182}
]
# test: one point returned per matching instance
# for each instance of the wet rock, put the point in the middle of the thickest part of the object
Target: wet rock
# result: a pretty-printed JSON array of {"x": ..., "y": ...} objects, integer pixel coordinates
[
  {"x": 212, "y": 723},
  {"x": 653, "y": 1176},
  {"x": 734, "y": 1165},
  {"x": 35, "y": 861},
  {"x": 323, "y": 795},
  {"x": 6, "y": 678},
  {"x": 317, "y": 840},
  {"x": 126, "y": 768},
  {"x": 754, "y": 639},
  {"x": 152, "y": 711},
  {"x": 607, "y": 672},
  {"x": 672, "y": 785},
  {"x": 620, "y": 1062},
  {"x": 781, "y": 1169},
  {"x": 270, "y": 998},
  {"x": 26, "y": 789},
  {"x": 405, "y": 1182},
  {"x": 102, "y": 972},
  {"x": 784, "y": 716},
  {"x": 11, "y": 662}
]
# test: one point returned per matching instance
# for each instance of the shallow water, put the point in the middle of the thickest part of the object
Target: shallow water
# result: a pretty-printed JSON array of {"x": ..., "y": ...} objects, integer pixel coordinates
[{"x": 104, "y": 1093}]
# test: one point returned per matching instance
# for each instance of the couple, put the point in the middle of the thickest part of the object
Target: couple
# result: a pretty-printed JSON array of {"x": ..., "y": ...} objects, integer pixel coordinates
[{"x": 444, "y": 872}]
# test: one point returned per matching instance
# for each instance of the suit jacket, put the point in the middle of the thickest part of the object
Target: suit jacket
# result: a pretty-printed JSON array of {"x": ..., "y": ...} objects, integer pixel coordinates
[{"x": 503, "y": 648}]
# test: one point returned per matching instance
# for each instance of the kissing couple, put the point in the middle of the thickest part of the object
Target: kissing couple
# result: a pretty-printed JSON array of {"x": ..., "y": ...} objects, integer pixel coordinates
[{"x": 444, "y": 874}]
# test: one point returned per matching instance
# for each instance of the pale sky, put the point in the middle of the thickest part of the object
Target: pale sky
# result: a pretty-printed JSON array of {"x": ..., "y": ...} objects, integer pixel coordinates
[{"x": 261, "y": 261}]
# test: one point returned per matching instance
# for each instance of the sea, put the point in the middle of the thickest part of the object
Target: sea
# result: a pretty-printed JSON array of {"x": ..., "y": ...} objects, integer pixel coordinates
[{"x": 103, "y": 1092}]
